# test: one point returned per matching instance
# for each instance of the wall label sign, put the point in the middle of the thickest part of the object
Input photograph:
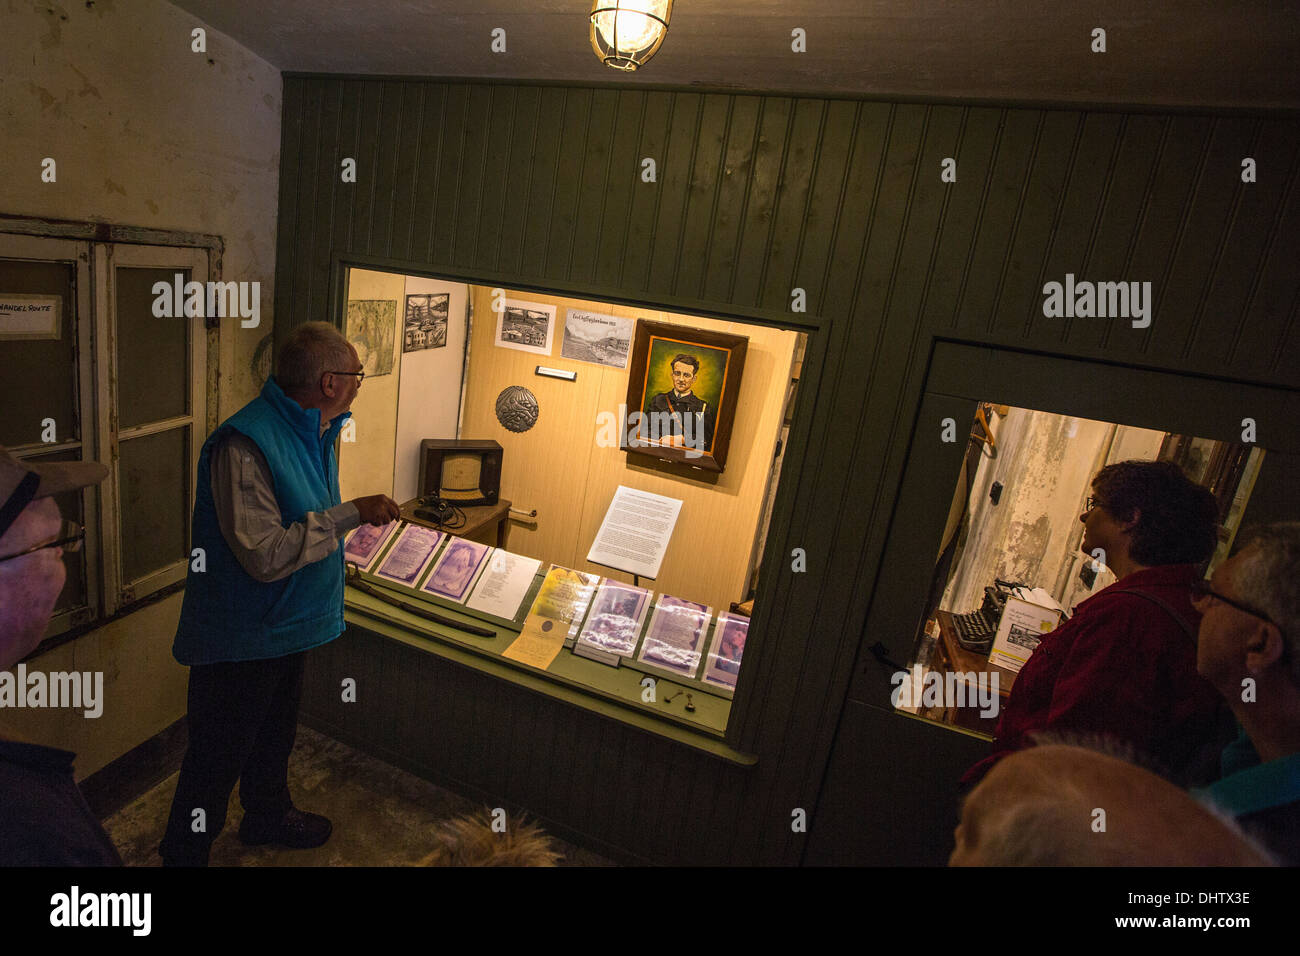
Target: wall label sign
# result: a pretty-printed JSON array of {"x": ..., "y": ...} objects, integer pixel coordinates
[{"x": 30, "y": 316}]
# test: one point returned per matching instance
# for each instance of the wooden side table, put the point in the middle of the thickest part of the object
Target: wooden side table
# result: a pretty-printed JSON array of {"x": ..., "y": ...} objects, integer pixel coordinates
[
  {"x": 476, "y": 519},
  {"x": 951, "y": 656}
]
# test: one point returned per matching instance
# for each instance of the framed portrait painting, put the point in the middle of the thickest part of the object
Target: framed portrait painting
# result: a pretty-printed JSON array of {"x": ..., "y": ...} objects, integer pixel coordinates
[{"x": 683, "y": 386}]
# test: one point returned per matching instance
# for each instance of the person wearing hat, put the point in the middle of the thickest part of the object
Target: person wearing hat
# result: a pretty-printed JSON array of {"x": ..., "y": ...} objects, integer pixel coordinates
[
  {"x": 44, "y": 819},
  {"x": 267, "y": 521}
]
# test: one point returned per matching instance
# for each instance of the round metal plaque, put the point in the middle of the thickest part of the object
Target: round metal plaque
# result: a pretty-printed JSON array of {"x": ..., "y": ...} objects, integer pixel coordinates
[{"x": 517, "y": 408}]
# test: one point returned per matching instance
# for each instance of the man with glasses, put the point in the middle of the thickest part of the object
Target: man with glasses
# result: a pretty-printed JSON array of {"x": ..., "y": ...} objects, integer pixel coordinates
[
  {"x": 44, "y": 820},
  {"x": 268, "y": 519},
  {"x": 1249, "y": 648}
]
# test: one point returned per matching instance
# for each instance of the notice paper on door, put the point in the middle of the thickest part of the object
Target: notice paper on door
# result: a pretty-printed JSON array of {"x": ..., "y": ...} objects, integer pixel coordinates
[{"x": 635, "y": 533}]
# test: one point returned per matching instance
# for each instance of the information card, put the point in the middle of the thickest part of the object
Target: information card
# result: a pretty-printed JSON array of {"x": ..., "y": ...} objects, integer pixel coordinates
[
  {"x": 504, "y": 584},
  {"x": 635, "y": 533}
]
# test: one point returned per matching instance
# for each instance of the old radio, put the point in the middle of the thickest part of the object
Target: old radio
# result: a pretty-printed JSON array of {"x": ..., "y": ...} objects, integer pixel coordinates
[{"x": 462, "y": 472}]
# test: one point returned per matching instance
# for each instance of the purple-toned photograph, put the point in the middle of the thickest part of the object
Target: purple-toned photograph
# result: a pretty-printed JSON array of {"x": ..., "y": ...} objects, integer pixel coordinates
[
  {"x": 364, "y": 544},
  {"x": 726, "y": 651},
  {"x": 615, "y": 620},
  {"x": 676, "y": 633},
  {"x": 455, "y": 570},
  {"x": 410, "y": 555}
]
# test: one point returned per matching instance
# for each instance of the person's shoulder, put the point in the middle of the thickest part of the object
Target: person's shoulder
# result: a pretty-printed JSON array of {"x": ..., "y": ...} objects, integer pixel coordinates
[
  {"x": 1103, "y": 600},
  {"x": 231, "y": 443},
  {"x": 233, "y": 438},
  {"x": 1144, "y": 591},
  {"x": 43, "y": 820},
  {"x": 1108, "y": 607},
  {"x": 1278, "y": 829},
  {"x": 1165, "y": 582}
]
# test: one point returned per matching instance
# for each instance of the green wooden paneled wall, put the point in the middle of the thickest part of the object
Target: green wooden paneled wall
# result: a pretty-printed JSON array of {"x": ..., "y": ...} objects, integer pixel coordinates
[{"x": 756, "y": 196}]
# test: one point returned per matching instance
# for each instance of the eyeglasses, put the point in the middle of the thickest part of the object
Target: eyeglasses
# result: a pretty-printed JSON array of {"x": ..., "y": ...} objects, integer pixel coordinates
[
  {"x": 1202, "y": 589},
  {"x": 1092, "y": 502},
  {"x": 69, "y": 538},
  {"x": 361, "y": 376}
]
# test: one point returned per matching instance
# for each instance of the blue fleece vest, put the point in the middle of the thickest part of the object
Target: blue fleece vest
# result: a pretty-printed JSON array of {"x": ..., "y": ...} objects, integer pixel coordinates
[{"x": 229, "y": 616}]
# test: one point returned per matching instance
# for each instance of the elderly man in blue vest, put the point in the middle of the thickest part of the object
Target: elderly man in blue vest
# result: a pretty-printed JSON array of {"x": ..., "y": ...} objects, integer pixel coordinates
[{"x": 268, "y": 517}]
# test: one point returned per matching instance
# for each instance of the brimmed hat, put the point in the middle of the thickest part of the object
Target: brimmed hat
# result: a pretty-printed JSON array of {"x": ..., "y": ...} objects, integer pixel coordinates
[{"x": 22, "y": 483}]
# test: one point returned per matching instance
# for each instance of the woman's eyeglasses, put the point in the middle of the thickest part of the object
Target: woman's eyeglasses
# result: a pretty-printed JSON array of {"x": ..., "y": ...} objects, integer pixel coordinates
[{"x": 69, "y": 538}]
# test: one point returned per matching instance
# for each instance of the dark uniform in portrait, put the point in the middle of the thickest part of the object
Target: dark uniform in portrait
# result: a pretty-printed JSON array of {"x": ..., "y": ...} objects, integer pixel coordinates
[
  {"x": 673, "y": 410},
  {"x": 678, "y": 417}
]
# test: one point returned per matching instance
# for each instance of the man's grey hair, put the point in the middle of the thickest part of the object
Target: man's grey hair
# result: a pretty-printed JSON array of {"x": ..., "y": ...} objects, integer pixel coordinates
[
  {"x": 1267, "y": 577},
  {"x": 313, "y": 349},
  {"x": 1047, "y": 828}
]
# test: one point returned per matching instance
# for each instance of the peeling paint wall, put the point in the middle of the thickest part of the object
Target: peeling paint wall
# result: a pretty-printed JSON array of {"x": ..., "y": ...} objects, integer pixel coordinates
[
  {"x": 145, "y": 132},
  {"x": 1045, "y": 463}
]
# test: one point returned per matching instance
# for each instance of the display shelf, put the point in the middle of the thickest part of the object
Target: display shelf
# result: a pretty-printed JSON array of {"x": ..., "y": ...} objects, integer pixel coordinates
[{"x": 613, "y": 692}]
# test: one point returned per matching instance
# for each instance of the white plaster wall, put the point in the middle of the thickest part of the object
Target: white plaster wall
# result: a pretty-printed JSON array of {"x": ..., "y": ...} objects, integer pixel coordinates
[
  {"x": 1045, "y": 463},
  {"x": 145, "y": 133},
  {"x": 429, "y": 399},
  {"x": 366, "y": 457}
]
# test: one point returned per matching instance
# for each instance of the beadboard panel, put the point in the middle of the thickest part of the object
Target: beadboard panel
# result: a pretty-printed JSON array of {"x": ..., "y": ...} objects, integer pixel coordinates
[{"x": 753, "y": 197}]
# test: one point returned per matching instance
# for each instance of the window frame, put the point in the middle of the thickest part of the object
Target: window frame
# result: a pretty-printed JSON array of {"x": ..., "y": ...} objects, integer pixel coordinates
[
  {"x": 95, "y": 250},
  {"x": 108, "y": 259}
]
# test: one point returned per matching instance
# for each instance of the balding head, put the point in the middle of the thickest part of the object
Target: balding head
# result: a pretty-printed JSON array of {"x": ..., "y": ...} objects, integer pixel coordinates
[
  {"x": 319, "y": 368},
  {"x": 311, "y": 350},
  {"x": 1040, "y": 807}
]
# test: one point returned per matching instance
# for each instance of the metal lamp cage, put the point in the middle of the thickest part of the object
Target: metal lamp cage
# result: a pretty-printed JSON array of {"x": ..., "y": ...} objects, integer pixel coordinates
[{"x": 609, "y": 53}]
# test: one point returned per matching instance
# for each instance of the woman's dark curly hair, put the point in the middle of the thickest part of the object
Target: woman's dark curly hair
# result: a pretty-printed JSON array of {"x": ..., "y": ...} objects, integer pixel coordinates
[{"x": 1179, "y": 518}]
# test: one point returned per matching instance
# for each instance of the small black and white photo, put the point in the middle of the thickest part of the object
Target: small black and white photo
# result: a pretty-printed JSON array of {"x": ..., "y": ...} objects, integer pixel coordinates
[
  {"x": 527, "y": 326},
  {"x": 597, "y": 338},
  {"x": 426, "y": 321},
  {"x": 1024, "y": 637}
]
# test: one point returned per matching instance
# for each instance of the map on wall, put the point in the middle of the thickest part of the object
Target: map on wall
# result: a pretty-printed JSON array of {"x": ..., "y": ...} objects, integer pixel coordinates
[{"x": 372, "y": 330}]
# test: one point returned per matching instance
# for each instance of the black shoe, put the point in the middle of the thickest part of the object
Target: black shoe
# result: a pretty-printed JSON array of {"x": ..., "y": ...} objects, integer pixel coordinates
[{"x": 296, "y": 830}]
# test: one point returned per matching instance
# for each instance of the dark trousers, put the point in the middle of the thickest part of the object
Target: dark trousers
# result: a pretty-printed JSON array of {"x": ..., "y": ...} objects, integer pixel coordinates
[{"x": 242, "y": 720}]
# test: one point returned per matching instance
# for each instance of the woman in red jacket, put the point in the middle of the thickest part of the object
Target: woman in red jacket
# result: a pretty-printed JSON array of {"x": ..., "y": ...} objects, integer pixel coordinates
[{"x": 1124, "y": 665}]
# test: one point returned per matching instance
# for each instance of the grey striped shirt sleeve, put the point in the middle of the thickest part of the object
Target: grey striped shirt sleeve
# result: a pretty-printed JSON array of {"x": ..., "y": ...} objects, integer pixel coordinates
[{"x": 244, "y": 495}]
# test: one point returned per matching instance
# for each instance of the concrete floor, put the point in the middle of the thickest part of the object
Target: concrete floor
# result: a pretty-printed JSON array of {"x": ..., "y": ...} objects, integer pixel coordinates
[{"x": 382, "y": 816}]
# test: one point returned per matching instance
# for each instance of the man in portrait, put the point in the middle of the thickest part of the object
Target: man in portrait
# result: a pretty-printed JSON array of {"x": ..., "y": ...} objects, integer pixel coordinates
[{"x": 679, "y": 418}]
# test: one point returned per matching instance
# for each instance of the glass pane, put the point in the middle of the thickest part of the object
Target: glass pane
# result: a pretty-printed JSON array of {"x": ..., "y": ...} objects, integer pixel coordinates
[
  {"x": 74, "y": 591},
  {"x": 155, "y": 493},
  {"x": 152, "y": 353},
  {"x": 40, "y": 375}
]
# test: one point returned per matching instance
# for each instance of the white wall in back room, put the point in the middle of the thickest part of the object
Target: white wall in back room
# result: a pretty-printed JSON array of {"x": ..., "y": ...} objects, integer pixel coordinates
[{"x": 429, "y": 398}]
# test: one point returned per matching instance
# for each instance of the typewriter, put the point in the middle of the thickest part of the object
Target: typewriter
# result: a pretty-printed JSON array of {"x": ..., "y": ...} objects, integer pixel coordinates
[{"x": 975, "y": 631}]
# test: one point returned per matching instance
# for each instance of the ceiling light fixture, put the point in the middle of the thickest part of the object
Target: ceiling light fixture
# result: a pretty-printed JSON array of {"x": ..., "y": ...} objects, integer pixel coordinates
[{"x": 626, "y": 33}]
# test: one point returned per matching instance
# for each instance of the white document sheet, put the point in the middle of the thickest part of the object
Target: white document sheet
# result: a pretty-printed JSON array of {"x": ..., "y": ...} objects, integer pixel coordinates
[
  {"x": 504, "y": 584},
  {"x": 635, "y": 533}
]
